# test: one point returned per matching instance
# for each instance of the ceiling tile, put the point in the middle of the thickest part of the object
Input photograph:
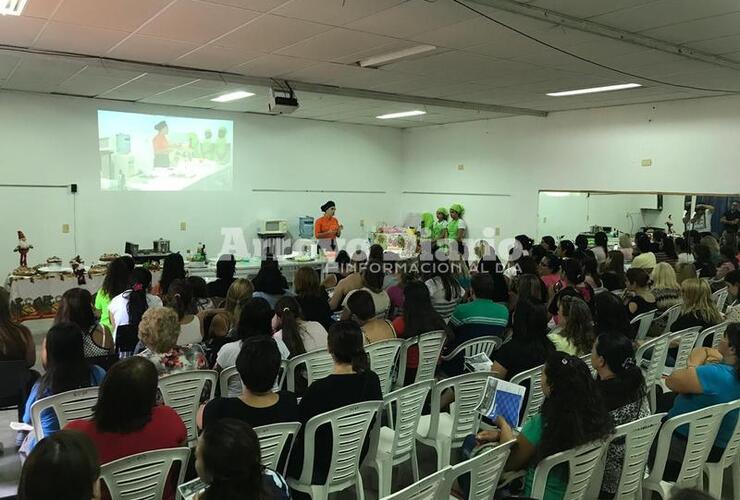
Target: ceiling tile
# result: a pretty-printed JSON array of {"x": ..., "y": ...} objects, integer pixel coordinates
[
  {"x": 217, "y": 58},
  {"x": 335, "y": 12},
  {"x": 124, "y": 15},
  {"x": 270, "y": 33},
  {"x": 20, "y": 31},
  {"x": 258, "y": 5},
  {"x": 150, "y": 49},
  {"x": 196, "y": 22},
  {"x": 78, "y": 39},
  {"x": 272, "y": 66},
  {"x": 334, "y": 44},
  {"x": 413, "y": 17}
]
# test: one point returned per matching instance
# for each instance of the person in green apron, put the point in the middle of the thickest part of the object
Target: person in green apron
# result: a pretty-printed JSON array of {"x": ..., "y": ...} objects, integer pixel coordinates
[{"x": 457, "y": 228}]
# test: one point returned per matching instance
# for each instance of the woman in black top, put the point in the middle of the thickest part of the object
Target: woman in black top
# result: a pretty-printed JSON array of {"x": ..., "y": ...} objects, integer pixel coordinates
[
  {"x": 258, "y": 365},
  {"x": 351, "y": 382}
]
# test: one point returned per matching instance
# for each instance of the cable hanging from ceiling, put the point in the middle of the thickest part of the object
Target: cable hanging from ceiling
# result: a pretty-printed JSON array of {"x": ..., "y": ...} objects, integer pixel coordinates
[{"x": 591, "y": 61}]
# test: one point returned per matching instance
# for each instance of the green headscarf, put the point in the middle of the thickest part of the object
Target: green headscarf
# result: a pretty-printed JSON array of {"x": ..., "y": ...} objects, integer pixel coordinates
[{"x": 458, "y": 208}]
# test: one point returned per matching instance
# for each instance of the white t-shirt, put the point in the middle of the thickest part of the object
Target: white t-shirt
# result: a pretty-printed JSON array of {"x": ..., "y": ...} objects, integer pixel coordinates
[
  {"x": 190, "y": 332},
  {"x": 227, "y": 355},
  {"x": 118, "y": 308},
  {"x": 313, "y": 335},
  {"x": 381, "y": 301}
]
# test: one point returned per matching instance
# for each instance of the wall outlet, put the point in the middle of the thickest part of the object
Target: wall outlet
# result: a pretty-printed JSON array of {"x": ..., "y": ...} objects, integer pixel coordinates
[
  {"x": 65, "y": 228},
  {"x": 183, "y": 226},
  {"x": 647, "y": 162},
  {"x": 461, "y": 167}
]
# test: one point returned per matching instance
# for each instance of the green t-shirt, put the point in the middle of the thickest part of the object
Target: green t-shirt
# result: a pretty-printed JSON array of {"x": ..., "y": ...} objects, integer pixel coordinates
[
  {"x": 101, "y": 303},
  {"x": 555, "y": 487}
]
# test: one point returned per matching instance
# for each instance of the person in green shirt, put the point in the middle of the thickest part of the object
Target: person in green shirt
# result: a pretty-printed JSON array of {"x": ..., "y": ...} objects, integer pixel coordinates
[
  {"x": 573, "y": 414},
  {"x": 117, "y": 280}
]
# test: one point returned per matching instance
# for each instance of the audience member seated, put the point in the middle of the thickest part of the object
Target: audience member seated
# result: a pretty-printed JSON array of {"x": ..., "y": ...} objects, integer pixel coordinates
[
  {"x": 258, "y": 365},
  {"x": 712, "y": 377},
  {"x": 16, "y": 342},
  {"x": 127, "y": 419},
  {"x": 225, "y": 270},
  {"x": 646, "y": 258},
  {"x": 728, "y": 262},
  {"x": 63, "y": 358},
  {"x": 637, "y": 297},
  {"x": 703, "y": 263},
  {"x": 591, "y": 275},
  {"x": 574, "y": 334},
  {"x": 622, "y": 387},
  {"x": 732, "y": 279},
  {"x": 601, "y": 246},
  {"x": 528, "y": 346},
  {"x": 255, "y": 319},
  {"x": 361, "y": 309},
  {"x": 697, "y": 308},
  {"x": 270, "y": 284},
  {"x": 179, "y": 298},
  {"x": 76, "y": 307},
  {"x": 665, "y": 287},
  {"x": 128, "y": 307},
  {"x": 625, "y": 247},
  {"x": 158, "y": 331},
  {"x": 613, "y": 277},
  {"x": 350, "y": 281},
  {"x": 419, "y": 317},
  {"x": 117, "y": 280},
  {"x": 228, "y": 460},
  {"x": 684, "y": 252},
  {"x": 610, "y": 316},
  {"x": 226, "y": 319},
  {"x": 573, "y": 414},
  {"x": 372, "y": 283},
  {"x": 299, "y": 335},
  {"x": 312, "y": 297},
  {"x": 351, "y": 382},
  {"x": 173, "y": 268},
  {"x": 444, "y": 289},
  {"x": 201, "y": 302},
  {"x": 64, "y": 466}
]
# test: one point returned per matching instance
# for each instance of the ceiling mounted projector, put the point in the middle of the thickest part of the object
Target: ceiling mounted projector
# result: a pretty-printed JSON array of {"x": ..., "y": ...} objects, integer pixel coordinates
[{"x": 281, "y": 102}]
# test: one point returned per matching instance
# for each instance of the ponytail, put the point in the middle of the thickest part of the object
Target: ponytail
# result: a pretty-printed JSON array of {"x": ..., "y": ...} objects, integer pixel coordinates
[
  {"x": 289, "y": 312},
  {"x": 137, "y": 300},
  {"x": 346, "y": 345}
]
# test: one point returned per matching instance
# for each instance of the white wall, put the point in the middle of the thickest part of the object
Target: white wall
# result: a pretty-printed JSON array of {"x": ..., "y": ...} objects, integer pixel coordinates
[
  {"x": 693, "y": 146},
  {"x": 53, "y": 140}
]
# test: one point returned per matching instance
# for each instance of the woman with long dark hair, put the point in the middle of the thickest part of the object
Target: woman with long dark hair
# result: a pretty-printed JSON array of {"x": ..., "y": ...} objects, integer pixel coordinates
[
  {"x": 76, "y": 307},
  {"x": 63, "y": 358},
  {"x": 117, "y": 280},
  {"x": 173, "y": 269},
  {"x": 572, "y": 414},
  {"x": 128, "y": 307},
  {"x": 228, "y": 460},
  {"x": 299, "y": 335},
  {"x": 16, "y": 342}
]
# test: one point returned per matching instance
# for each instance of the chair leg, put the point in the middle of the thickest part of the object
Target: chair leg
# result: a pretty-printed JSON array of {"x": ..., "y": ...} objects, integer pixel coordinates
[
  {"x": 385, "y": 477},
  {"x": 715, "y": 474}
]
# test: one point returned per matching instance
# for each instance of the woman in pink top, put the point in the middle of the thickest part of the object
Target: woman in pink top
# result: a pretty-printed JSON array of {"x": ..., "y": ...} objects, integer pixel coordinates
[{"x": 549, "y": 270}]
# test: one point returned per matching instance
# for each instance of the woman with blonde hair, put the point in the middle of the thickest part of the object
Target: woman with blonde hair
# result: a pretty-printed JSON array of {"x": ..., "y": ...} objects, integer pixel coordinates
[
  {"x": 225, "y": 319},
  {"x": 698, "y": 308},
  {"x": 665, "y": 288}
]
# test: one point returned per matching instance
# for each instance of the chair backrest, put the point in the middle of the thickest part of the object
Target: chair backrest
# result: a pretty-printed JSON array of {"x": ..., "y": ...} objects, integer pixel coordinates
[
  {"x": 15, "y": 375},
  {"x": 581, "y": 461},
  {"x": 716, "y": 333},
  {"x": 652, "y": 369},
  {"x": 686, "y": 340},
  {"x": 535, "y": 396},
  {"x": 318, "y": 364},
  {"x": 71, "y": 405},
  {"x": 408, "y": 402},
  {"x": 273, "y": 439},
  {"x": 638, "y": 437},
  {"x": 469, "y": 389},
  {"x": 228, "y": 375},
  {"x": 484, "y": 468},
  {"x": 144, "y": 476},
  {"x": 182, "y": 392},
  {"x": 644, "y": 320},
  {"x": 720, "y": 298},
  {"x": 703, "y": 425},
  {"x": 670, "y": 317},
  {"x": 732, "y": 450},
  {"x": 432, "y": 487},
  {"x": 349, "y": 427},
  {"x": 430, "y": 348},
  {"x": 383, "y": 358}
]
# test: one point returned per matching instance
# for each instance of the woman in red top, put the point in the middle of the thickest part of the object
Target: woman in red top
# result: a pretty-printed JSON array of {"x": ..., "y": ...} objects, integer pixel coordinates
[
  {"x": 127, "y": 420},
  {"x": 327, "y": 228}
]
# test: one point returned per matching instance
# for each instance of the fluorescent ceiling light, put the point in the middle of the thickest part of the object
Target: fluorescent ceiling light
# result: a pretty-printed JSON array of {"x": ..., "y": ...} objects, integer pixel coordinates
[
  {"x": 402, "y": 114},
  {"x": 593, "y": 90},
  {"x": 232, "y": 96},
  {"x": 381, "y": 60},
  {"x": 12, "y": 7}
]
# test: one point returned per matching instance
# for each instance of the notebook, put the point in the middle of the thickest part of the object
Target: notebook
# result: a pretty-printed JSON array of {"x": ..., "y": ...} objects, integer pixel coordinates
[{"x": 503, "y": 399}]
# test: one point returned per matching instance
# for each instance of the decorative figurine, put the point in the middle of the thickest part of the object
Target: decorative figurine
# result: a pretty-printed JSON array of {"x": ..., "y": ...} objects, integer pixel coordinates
[{"x": 23, "y": 247}]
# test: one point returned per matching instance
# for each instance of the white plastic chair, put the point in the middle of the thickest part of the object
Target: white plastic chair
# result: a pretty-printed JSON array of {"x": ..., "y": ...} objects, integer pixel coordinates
[
  {"x": 670, "y": 316},
  {"x": 703, "y": 425},
  {"x": 581, "y": 461},
  {"x": 397, "y": 444},
  {"x": 431, "y": 487},
  {"x": 645, "y": 321},
  {"x": 430, "y": 347},
  {"x": 273, "y": 439},
  {"x": 318, "y": 364},
  {"x": 485, "y": 469},
  {"x": 535, "y": 396},
  {"x": 686, "y": 340},
  {"x": 182, "y": 392},
  {"x": 349, "y": 427},
  {"x": 444, "y": 431},
  {"x": 720, "y": 298},
  {"x": 730, "y": 458},
  {"x": 652, "y": 369},
  {"x": 383, "y": 361},
  {"x": 68, "y": 406},
  {"x": 716, "y": 332},
  {"x": 144, "y": 476}
]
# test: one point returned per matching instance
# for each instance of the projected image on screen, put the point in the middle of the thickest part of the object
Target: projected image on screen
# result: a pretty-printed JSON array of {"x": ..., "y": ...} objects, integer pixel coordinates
[{"x": 140, "y": 152}]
